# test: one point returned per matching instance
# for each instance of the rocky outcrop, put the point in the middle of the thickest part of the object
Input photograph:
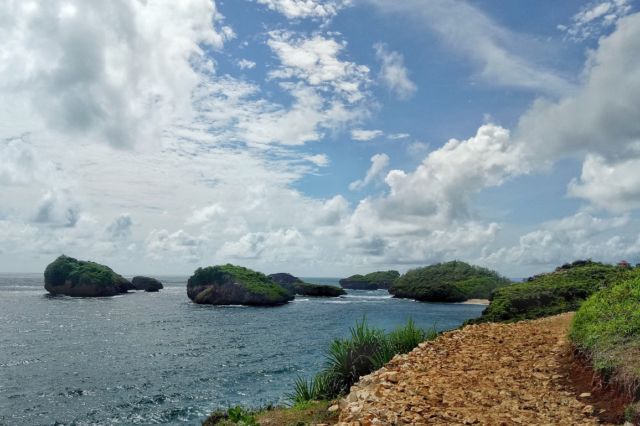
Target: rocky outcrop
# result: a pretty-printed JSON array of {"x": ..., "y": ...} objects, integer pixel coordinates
[
  {"x": 235, "y": 285},
  {"x": 296, "y": 286},
  {"x": 146, "y": 284},
  {"x": 373, "y": 281},
  {"x": 489, "y": 374},
  {"x": 78, "y": 278}
]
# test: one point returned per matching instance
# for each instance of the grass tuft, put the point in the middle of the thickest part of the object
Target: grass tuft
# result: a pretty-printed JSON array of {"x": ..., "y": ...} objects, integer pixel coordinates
[{"x": 347, "y": 360}]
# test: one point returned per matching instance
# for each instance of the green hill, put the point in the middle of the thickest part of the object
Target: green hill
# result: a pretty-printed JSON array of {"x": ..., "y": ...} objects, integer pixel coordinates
[{"x": 453, "y": 281}]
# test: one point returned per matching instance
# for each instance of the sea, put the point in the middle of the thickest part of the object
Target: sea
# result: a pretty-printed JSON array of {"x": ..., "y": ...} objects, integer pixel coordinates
[{"x": 158, "y": 358}]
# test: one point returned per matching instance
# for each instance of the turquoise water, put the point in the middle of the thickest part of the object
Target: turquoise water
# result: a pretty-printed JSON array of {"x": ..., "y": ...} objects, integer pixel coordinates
[{"x": 157, "y": 358}]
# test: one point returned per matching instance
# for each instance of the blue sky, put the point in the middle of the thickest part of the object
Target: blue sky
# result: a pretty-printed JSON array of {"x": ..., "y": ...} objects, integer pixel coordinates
[{"x": 319, "y": 137}]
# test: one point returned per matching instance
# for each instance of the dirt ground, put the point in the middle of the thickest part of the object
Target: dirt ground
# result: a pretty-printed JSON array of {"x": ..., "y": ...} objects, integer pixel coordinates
[{"x": 490, "y": 374}]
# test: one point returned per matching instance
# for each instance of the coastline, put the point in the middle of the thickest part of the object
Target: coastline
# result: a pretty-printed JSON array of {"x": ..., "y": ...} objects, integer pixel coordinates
[{"x": 475, "y": 302}]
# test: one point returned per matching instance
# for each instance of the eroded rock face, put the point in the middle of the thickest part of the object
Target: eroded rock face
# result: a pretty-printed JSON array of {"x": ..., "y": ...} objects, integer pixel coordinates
[
  {"x": 146, "y": 284},
  {"x": 235, "y": 285},
  {"x": 78, "y": 278}
]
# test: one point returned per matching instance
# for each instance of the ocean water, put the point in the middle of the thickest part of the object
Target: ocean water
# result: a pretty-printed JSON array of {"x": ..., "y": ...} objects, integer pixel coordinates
[{"x": 157, "y": 358}]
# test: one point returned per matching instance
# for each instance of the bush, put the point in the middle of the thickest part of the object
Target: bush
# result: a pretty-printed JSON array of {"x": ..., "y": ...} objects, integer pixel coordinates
[
  {"x": 543, "y": 295},
  {"x": 366, "y": 350},
  {"x": 606, "y": 329},
  {"x": 66, "y": 268},
  {"x": 448, "y": 282}
]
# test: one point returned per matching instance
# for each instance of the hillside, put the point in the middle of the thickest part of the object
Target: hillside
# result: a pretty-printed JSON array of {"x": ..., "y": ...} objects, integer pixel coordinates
[{"x": 562, "y": 290}]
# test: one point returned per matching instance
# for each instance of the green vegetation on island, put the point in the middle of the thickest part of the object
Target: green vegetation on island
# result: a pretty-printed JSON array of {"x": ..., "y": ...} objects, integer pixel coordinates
[
  {"x": 296, "y": 286},
  {"x": 80, "y": 278},
  {"x": 453, "y": 281},
  {"x": 371, "y": 281},
  {"x": 562, "y": 290},
  {"x": 606, "y": 332},
  {"x": 235, "y": 285}
]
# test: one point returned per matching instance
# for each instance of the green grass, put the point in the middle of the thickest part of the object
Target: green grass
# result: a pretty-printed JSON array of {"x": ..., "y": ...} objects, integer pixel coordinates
[
  {"x": 253, "y": 281},
  {"x": 548, "y": 294},
  {"x": 79, "y": 272},
  {"x": 606, "y": 329},
  {"x": 347, "y": 360},
  {"x": 448, "y": 282}
]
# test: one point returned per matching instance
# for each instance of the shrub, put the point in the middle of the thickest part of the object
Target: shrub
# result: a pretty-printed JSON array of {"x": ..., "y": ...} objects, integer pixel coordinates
[
  {"x": 606, "y": 329},
  {"x": 347, "y": 360}
]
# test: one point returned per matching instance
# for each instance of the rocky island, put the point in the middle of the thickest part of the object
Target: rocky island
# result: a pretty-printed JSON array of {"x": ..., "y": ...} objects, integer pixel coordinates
[
  {"x": 146, "y": 283},
  {"x": 296, "y": 286},
  {"x": 235, "y": 285},
  {"x": 372, "y": 281},
  {"x": 450, "y": 282},
  {"x": 79, "y": 278}
]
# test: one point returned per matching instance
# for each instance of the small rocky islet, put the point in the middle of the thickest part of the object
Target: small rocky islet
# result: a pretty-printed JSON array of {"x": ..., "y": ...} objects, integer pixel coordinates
[
  {"x": 235, "y": 285},
  {"x": 146, "y": 283},
  {"x": 372, "y": 281},
  {"x": 82, "y": 278},
  {"x": 296, "y": 286},
  {"x": 448, "y": 282},
  {"x": 78, "y": 278}
]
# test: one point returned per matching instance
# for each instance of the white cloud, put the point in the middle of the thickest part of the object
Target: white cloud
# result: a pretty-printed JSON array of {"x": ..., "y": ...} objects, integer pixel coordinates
[
  {"x": 275, "y": 246},
  {"x": 395, "y": 136},
  {"x": 161, "y": 244},
  {"x": 315, "y": 60},
  {"x": 57, "y": 208},
  {"x": 610, "y": 185},
  {"x": 246, "y": 64},
  {"x": 120, "y": 228},
  {"x": 365, "y": 135},
  {"x": 580, "y": 236},
  {"x": 598, "y": 122},
  {"x": 499, "y": 54},
  {"x": 296, "y": 9},
  {"x": 206, "y": 214},
  {"x": 320, "y": 160},
  {"x": 379, "y": 162},
  {"x": 443, "y": 184},
  {"x": 393, "y": 73},
  {"x": 418, "y": 149},
  {"x": 425, "y": 216},
  {"x": 17, "y": 162},
  {"x": 595, "y": 18},
  {"x": 80, "y": 77}
]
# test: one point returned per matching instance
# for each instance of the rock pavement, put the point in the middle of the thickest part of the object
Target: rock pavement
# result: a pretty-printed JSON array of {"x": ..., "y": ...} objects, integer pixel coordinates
[{"x": 488, "y": 374}]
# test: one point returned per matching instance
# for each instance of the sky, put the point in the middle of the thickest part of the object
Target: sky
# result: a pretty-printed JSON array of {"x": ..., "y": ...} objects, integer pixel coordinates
[{"x": 320, "y": 138}]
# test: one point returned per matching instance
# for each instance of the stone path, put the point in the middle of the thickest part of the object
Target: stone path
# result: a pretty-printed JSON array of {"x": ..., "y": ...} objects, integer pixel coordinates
[{"x": 490, "y": 374}]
